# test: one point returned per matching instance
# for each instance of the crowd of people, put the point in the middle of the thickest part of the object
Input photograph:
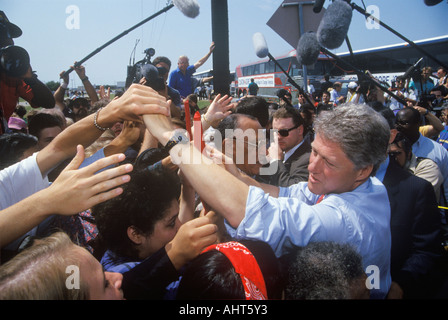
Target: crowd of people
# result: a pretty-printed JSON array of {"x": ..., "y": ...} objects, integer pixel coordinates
[{"x": 122, "y": 198}]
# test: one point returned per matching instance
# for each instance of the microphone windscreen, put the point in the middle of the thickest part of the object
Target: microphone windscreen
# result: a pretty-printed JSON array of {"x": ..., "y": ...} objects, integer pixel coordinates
[
  {"x": 190, "y": 8},
  {"x": 432, "y": 2},
  {"x": 334, "y": 25},
  {"x": 308, "y": 49},
  {"x": 318, "y": 5},
  {"x": 260, "y": 45}
]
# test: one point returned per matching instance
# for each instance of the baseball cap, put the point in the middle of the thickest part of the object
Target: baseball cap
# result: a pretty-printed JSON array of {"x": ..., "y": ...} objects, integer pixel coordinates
[
  {"x": 352, "y": 85},
  {"x": 16, "y": 123}
]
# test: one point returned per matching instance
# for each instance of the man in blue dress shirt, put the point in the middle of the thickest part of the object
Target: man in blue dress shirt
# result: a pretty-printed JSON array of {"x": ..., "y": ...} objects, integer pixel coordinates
[{"x": 341, "y": 202}]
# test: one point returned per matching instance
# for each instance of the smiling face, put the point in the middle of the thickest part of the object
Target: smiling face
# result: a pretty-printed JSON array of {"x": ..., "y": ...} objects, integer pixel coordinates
[{"x": 331, "y": 171}]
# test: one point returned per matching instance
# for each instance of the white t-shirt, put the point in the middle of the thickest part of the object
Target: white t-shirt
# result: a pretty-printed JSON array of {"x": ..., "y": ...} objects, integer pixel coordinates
[{"x": 18, "y": 182}]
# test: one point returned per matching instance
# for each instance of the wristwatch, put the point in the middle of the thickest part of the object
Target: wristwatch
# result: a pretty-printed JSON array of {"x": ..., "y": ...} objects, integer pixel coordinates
[{"x": 179, "y": 136}]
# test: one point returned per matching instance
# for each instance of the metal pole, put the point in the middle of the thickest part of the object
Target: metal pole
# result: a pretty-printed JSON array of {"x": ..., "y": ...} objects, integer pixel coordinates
[
  {"x": 368, "y": 15},
  {"x": 77, "y": 64},
  {"x": 220, "y": 34},
  {"x": 301, "y": 31}
]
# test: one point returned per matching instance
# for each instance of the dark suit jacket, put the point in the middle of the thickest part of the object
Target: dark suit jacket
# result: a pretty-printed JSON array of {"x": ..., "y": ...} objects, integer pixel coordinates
[
  {"x": 294, "y": 169},
  {"x": 415, "y": 229}
]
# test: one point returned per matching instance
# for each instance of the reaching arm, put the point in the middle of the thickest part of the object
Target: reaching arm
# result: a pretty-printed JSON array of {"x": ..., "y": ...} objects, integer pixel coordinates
[
  {"x": 59, "y": 94},
  {"x": 205, "y": 58},
  {"x": 218, "y": 110},
  {"x": 136, "y": 101},
  {"x": 127, "y": 137},
  {"x": 73, "y": 191},
  {"x": 91, "y": 92},
  {"x": 217, "y": 187},
  {"x": 228, "y": 164},
  {"x": 433, "y": 121}
]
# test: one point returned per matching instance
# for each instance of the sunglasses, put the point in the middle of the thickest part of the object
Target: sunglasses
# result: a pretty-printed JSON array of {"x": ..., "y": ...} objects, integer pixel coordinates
[{"x": 285, "y": 132}]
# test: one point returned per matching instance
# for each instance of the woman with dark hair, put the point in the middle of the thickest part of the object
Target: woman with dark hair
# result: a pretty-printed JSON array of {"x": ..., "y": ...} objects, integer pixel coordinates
[
  {"x": 15, "y": 147},
  {"x": 141, "y": 230},
  {"x": 243, "y": 270}
]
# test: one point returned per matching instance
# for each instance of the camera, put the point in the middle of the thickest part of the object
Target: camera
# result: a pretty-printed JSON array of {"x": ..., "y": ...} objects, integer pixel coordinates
[
  {"x": 144, "y": 68},
  {"x": 426, "y": 101},
  {"x": 14, "y": 61}
]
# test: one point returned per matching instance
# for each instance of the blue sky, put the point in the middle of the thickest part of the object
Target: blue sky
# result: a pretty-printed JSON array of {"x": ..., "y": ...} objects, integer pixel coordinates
[{"x": 53, "y": 47}]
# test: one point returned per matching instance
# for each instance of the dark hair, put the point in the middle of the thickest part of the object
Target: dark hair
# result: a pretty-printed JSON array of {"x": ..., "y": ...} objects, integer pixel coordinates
[
  {"x": 211, "y": 275},
  {"x": 255, "y": 106},
  {"x": 387, "y": 113},
  {"x": 231, "y": 122},
  {"x": 406, "y": 145},
  {"x": 159, "y": 59},
  {"x": 143, "y": 202},
  {"x": 78, "y": 102},
  {"x": 307, "y": 111},
  {"x": 321, "y": 270},
  {"x": 12, "y": 147},
  {"x": 149, "y": 157},
  {"x": 289, "y": 112},
  {"x": 193, "y": 97},
  {"x": 20, "y": 111},
  {"x": 42, "y": 121}
]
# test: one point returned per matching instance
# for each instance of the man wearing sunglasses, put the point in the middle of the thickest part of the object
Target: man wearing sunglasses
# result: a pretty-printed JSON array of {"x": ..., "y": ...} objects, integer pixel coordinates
[{"x": 289, "y": 149}]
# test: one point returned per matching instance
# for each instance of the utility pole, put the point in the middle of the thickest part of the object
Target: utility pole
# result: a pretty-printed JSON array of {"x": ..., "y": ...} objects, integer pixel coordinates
[{"x": 220, "y": 35}]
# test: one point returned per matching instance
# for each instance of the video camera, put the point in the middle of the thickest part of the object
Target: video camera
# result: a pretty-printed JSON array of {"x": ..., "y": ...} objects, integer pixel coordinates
[
  {"x": 14, "y": 61},
  {"x": 144, "y": 68}
]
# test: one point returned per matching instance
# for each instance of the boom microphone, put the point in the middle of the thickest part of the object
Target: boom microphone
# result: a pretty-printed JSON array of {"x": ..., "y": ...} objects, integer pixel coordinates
[
  {"x": 411, "y": 69},
  {"x": 308, "y": 49},
  {"x": 190, "y": 8},
  {"x": 334, "y": 25},
  {"x": 318, "y": 5},
  {"x": 262, "y": 51},
  {"x": 260, "y": 45}
]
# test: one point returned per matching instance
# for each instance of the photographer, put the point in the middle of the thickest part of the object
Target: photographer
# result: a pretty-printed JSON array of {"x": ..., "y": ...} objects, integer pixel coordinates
[
  {"x": 437, "y": 98},
  {"x": 401, "y": 91},
  {"x": 153, "y": 77},
  {"x": 15, "y": 84},
  {"x": 422, "y": 84}
]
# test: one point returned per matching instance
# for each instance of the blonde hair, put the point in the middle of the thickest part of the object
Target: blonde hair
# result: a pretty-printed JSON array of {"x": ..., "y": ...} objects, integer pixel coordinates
[{"x": 39, "y": 272}]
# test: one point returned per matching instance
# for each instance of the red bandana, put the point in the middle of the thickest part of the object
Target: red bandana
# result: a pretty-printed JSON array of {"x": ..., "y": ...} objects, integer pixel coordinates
[{"x": 246, "y": 266}]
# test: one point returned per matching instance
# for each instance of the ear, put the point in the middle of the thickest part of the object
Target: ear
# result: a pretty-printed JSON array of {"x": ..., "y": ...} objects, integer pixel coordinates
[
  {"x": 364, "y": 173},
  {"x": 227, "y": 146},
  {"x": 393, "y": 134},
  {"x": 135, "y": 235}
]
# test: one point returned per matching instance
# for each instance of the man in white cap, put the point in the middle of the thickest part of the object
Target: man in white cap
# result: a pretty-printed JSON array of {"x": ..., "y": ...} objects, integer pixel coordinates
[{"x": 352, "y": 95}]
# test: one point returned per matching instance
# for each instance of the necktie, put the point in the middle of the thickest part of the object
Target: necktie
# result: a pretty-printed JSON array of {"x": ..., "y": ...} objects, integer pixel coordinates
[{"x": 320, "y": 198}]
